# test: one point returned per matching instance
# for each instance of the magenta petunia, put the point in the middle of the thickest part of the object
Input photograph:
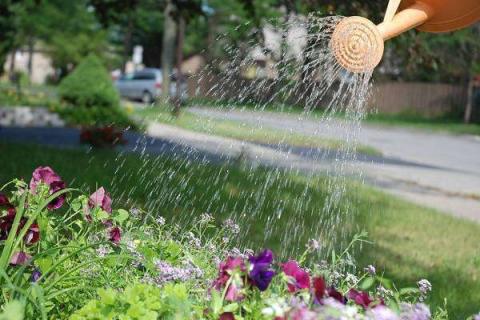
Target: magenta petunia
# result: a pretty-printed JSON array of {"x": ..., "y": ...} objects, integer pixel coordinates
[
  {"x": 20, "y": 258},
  {"x": 299, "y": 277},
  {"x": 47, "y": 176},
  {"x": 101, "y": 198},
  {"x": 115, "y": 235}
]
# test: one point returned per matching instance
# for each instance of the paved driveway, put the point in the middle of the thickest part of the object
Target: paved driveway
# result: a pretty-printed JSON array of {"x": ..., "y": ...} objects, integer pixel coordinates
[{"x": 433, "y": 169}]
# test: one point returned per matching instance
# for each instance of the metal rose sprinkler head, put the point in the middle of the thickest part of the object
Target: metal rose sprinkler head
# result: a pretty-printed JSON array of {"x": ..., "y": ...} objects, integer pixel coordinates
[{"x": 358, "y": 44}]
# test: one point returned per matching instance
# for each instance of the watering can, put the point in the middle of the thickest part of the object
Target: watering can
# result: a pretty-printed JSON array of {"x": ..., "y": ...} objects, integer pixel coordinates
[{"x": 358, "y": 44}]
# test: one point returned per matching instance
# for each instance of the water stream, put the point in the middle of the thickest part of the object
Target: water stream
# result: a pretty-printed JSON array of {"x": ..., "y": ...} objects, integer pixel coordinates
[{"x": 273, "y": 197}]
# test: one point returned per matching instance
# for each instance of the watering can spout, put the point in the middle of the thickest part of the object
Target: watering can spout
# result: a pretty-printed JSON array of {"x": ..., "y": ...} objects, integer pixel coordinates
[{"x": 358, "y": 44}]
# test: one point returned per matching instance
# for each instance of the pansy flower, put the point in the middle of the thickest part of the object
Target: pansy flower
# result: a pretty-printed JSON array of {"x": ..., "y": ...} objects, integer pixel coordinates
[
  {"x": 5, "y": 204},
  {"x": 361, "y": 298},
  {"x": 47, "y": 176},
  {"x": 227, "y": 269},
  {"x": 20, "y": 258},
  {"x": 115, "y": 235},
  {"x": 333, "y": 293},
  {"x": 31, "y": 236},
  {"x": 101, "y": 198},
  {"x": 261, "y": 273},
  {"x": 298, "y": 278},
  {"x": 319, "y": 289}
]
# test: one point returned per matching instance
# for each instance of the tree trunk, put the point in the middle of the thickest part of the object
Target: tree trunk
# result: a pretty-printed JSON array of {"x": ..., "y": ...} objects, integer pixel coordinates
[
  {"x": 11, "y": 67},
  {"x": 127, "y": 43},
  {"x": 212, "y": 23},
  {"x": 467, "y": 117},
  {"x": 168, "y": 48},
  {"x": 180, "y": 79},
  {"x": 31, "y": 47}
]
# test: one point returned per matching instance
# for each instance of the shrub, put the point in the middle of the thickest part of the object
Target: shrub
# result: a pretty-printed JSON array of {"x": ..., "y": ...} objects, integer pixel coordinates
[
  {"x": 89, "y": 85},
  {"x": 89, "y": 97},
  {"x": 93, "y": 116}
]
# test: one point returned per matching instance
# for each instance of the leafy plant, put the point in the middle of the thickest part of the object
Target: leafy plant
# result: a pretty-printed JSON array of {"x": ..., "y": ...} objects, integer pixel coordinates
[{"x": 89, "y": 85}]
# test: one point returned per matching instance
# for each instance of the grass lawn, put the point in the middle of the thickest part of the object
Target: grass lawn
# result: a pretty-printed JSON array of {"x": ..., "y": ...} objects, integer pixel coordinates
[
  {"x": 418, "y": 122},
  {"x": 242, "y": 131},
  {"x": 405, "y": 119},
  {"x": 410, "y": 242}
]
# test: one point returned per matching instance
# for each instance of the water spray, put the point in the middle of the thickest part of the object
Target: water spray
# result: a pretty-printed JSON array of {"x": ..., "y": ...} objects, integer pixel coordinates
[{"x": 358, "y": 43}]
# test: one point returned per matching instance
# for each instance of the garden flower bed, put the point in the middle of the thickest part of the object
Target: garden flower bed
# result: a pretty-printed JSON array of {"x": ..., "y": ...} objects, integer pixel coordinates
[{"x": 65, "y": 254}]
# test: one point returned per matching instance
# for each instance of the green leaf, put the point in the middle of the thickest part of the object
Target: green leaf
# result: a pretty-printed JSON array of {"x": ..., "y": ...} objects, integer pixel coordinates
[
  {"x": 406, "y": 291},
  {"x": 232, "y": 307},
  {"x": 44, "y": 263},
  {"x": 14, "y": 310},
  {"x": 120, "y": 215},
  {"x": 367, "y": 283}
]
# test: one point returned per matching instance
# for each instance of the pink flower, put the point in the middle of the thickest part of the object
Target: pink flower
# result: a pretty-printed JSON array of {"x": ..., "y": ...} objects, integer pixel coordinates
[
  {"x": 333, "y": 293},
  {"x": 6, "y": 222},
  {"x": 227, "y": 269},
  {"x": 227, "y": 316},
  {"x": 47, "y": 176},
  {"x": 359, "y": 297},
  {"x": 5, "y": 203},
  {"x": 115, "y": 235},
  {"x": 299, "y": 277},
  {"x": 20, "y": 258},
  {"x": 234, "y": 292},
  {"x": 101, "y": 198},
  {"x": 319, "y": 288}
]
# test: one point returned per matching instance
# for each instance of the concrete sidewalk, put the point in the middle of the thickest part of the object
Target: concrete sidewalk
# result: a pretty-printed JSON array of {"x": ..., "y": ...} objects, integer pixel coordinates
[{"x": 433, "y": 169}]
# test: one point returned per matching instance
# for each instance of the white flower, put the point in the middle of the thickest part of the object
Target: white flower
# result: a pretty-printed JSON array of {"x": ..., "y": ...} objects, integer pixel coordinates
[{"x": 370, "y": 269}]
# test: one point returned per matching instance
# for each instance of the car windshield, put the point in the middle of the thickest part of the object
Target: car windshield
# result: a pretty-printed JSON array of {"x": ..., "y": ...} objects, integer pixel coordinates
[{"x": 128, "y": 76}]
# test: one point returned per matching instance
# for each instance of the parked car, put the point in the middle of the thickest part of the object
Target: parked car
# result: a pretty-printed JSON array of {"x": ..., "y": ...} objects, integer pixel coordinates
[{"x": 145, "y": 85}]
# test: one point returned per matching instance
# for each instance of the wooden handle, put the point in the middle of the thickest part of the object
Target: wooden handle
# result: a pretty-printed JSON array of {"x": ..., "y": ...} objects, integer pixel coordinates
[
  {"x": 391, "y": 10},
  {"x": 405, "y": 20}
]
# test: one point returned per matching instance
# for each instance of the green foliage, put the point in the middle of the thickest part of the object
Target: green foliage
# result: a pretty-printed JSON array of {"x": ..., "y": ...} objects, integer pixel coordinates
[
  {"x": 14, "y": 310},
  {"x": 138, "y": 301},
  {"x": 93, "y": 116},
  {"x": 89, "y": 85},
  {"x": 89, "y": 97}
]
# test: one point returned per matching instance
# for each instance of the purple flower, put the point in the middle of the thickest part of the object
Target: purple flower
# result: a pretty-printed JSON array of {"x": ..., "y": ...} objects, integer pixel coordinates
[
  {"x": 299, "y": 277},
  {"x": 261, "y": 273},
  {"x": 115, "y": 235},
  {"x": 382, "y": 313},
  {"x": 20, "y": 258},
  {"x": 36, "y": 274},
  {"x": 47, "y": 176},
  {"x": 101, "y": 198},
  {"x": 417, "y": 311}
]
